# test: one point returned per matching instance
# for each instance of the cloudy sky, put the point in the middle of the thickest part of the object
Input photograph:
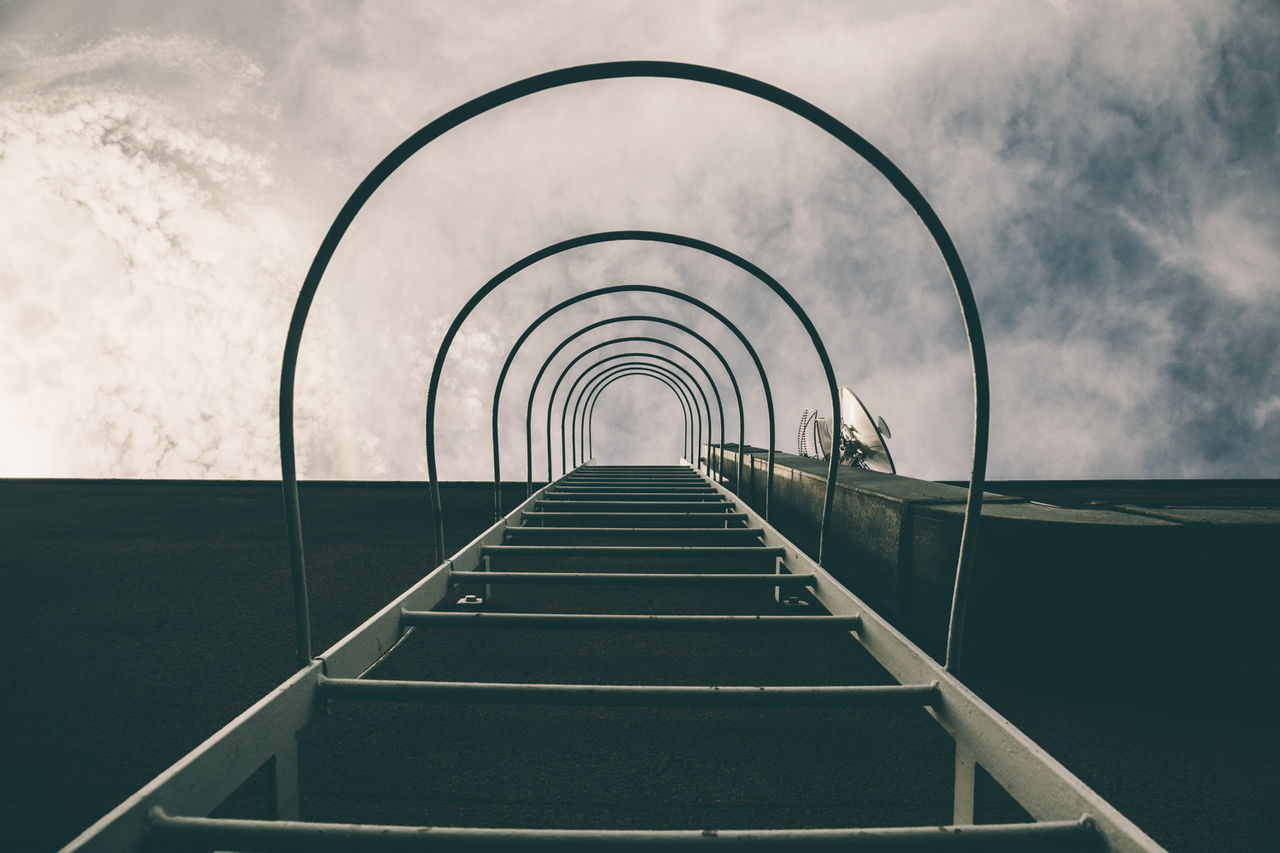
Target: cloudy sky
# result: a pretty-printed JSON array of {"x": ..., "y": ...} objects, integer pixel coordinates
[{"x": 1109, "y": 172}]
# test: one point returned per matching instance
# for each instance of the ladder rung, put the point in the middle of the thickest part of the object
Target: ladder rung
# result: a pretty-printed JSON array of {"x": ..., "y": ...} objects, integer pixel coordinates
[
  {"x": 634, "y": 470},
  {"x": 657, "y": 475},
  {"x": 646, "y": 695},
  {"x": 653, "y": 485},
  {"x": 280, "y": 835},
  {"x": 668, "y": 478},
  {"x": 626, "y": 488},
  {"x": 634, "y": 550},
  {"x": 633, "y": 496},
  {"x": 642, "y": 483},
  {"x": 627, "y": 621},
  {"x": 642, "y": 478},
  {"x": 731, "y": 532},
  {"x": 683, "y": 506},
  {"x": 687, "y": 516},
  {"x": 634, "y": 578},
  {"x": 603, "y": 513}
]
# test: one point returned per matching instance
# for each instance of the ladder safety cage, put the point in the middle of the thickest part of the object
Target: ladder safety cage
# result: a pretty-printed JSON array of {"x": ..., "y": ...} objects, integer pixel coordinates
[
  {"x": 690, "y": 413},
  {"x": 171, "y": 810},
  {"x": 605, "y": 291},
  {"x": 672, "y": 69},
  {"x": 692, "y": 384},
  {"x": 588, "y": 416},
  {"x": 668, "y": 526},
  {"x": 637, "y": 364}
]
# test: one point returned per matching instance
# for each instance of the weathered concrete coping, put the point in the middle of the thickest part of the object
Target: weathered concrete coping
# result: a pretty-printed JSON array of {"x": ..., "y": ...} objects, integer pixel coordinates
[
  {"x": 946, "y": 499},
  {"x": 1086, "y": 594}
]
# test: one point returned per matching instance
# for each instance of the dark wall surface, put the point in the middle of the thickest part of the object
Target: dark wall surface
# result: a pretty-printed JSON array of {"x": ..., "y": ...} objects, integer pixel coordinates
[
  {"x": 1127, "y": 628},
  {"x": 138, "y": 617}
]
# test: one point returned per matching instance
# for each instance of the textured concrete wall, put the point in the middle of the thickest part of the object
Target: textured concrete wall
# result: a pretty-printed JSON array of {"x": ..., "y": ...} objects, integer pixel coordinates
[{"x": 1113, "y": 597}]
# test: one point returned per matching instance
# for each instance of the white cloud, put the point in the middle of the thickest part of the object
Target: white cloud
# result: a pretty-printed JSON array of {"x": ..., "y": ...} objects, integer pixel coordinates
[
  {"x": 143, "y": 263},
  {"x": 166, "y": 186}
]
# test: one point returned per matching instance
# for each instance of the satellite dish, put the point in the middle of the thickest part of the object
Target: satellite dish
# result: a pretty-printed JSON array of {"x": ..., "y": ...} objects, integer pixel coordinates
[
  {"x": 862, "y": 439},
  {"x": 822, "y": 434}
]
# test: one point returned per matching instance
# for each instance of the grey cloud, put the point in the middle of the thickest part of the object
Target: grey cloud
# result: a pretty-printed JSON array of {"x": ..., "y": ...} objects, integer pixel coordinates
[{"x": 1108, "y": 172}]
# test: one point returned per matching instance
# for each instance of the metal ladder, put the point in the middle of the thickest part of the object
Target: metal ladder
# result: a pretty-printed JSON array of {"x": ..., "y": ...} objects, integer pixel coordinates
[{"x": 675, "y": 552}]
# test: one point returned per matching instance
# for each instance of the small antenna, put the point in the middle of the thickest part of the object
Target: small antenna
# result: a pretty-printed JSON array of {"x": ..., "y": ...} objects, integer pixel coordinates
[{"x": 802, "y": 434}]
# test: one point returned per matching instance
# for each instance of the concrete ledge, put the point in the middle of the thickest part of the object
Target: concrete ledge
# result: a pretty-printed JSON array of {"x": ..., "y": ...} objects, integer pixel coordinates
[{"x": 1115, "y": 597}]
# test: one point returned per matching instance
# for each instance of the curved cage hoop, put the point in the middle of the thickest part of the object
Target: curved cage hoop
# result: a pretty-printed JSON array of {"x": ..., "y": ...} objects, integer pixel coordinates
[
  {"x": 637, "y": 368},
  {"x": 626, "y": 288},
  {"x": 692, "y": 383},
  {"x": 616, "y": 70},
  {"x": 629, "y": 318}
]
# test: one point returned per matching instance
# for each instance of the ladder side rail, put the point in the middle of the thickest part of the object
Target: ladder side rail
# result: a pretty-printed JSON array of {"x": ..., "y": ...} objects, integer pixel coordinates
[
  {"x": 199, "y": 781},
  {"x": 1039, "y": 783},
  {"x": 364, "y": 647}
]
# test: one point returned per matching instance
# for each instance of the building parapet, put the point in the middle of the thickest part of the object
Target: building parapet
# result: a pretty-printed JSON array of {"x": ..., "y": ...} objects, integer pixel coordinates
[{"x": 1124, "y": 597}]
